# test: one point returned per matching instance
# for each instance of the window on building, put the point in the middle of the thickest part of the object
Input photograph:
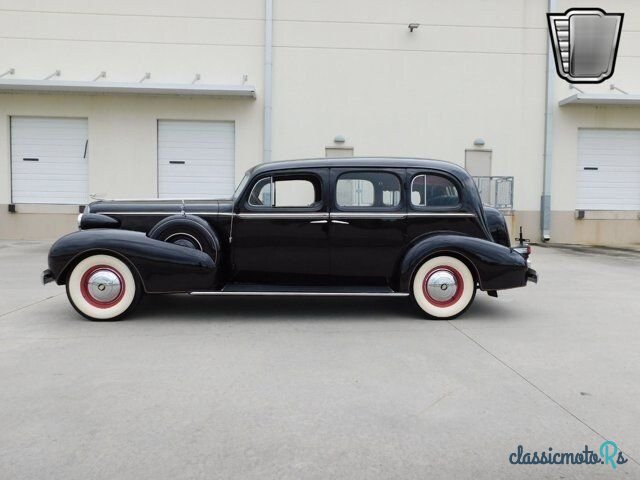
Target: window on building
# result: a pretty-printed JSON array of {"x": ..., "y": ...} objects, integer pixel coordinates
[
  {"x": 433, "y": 191},
  {"x": 279, "y": 192},
  {"x": 368, "y": 189}
]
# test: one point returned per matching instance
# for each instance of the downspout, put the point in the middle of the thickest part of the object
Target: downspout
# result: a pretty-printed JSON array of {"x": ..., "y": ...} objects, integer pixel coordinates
[
  {"x": 268, "y": 46},
  {"x": 545, "y": 200}
]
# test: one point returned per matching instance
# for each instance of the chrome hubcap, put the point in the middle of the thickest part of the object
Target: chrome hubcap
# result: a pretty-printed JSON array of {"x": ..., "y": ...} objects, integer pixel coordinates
[
  {"x": 442, "y": 285},
  {"x": 104, "y": 286}
]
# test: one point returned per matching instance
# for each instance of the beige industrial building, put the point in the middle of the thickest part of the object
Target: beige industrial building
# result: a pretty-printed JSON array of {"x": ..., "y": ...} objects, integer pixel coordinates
[{"x": 178, "y": 99}]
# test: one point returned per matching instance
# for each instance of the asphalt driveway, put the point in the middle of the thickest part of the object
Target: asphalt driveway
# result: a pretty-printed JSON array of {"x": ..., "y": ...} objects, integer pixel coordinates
[{"x": 255, "y": 388}]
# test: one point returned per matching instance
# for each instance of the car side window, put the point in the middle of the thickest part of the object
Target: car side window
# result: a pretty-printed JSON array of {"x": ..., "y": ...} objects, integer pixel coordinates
[
  {"x": 368, "y": 189},
  {"x": 428, "y": 190},
  {"x": 300, "y": 191}
]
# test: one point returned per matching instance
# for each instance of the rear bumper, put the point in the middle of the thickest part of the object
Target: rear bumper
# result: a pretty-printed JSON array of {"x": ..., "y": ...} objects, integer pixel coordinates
[
  {"x": 47, "y": 276},
  {"x": 532, "y": 275}
]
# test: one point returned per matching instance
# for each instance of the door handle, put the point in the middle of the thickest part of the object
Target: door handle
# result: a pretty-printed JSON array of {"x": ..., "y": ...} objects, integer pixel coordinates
[
  {"x": 318, "y": 221},
  {"x": 341, "y": 222}
]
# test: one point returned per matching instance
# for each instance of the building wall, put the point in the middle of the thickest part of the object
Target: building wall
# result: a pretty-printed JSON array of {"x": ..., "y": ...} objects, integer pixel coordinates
[
  {"x": 122, "y": 149},
  {"x": 471, "y": 70},
  {"x": 599, "y": 228},
  {"x": 220, "y": 40},
  {"x": 460, "y": 76}
]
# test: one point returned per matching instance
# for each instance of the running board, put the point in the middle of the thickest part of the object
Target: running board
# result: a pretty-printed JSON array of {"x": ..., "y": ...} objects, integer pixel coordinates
[{"x": 296, "y": 290}]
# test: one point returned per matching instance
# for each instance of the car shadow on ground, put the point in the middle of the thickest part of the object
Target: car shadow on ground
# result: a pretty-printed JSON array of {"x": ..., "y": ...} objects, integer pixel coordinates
[
  {"x": 260, "y": 308},
  {"x": 269, "y": 308}
]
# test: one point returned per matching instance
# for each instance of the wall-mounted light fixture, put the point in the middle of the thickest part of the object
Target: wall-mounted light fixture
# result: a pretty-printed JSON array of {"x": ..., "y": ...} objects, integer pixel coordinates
[
  {"x": 146, "y": 76},
  {"x": 479, "y": 142},
  {"x": 102, "y": 74},
  {"x": 339, "y": 139},
  {"x": 413, "y": 26}
]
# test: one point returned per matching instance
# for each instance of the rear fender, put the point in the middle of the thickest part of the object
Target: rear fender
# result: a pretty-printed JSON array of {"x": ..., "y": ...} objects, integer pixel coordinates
[
  {"x": 494, "y": 266},
  {"x": 162, "y": 267}
]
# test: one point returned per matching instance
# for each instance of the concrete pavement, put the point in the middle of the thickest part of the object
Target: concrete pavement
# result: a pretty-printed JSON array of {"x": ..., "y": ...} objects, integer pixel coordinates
[{"x": 196, "y": 387}]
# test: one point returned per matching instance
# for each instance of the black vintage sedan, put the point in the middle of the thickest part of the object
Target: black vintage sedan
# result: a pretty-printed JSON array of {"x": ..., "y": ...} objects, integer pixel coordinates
[{"x": 357, "y": 226}]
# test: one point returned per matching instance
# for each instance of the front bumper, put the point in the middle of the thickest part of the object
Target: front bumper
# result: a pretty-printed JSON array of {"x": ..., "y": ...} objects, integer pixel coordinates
[
  {"x": 532, "y": 275},
  {"x": 47, "y": 276}
]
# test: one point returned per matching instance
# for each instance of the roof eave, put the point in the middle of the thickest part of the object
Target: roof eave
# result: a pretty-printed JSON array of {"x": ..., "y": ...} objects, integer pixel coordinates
[
  {"x": 100, "y": 87},
  {"x": 600, "y": 99}
]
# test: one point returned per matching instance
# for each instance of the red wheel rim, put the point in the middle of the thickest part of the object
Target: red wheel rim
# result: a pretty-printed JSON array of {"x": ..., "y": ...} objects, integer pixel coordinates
[
  {"x": 86, "y": 294},
  {"x": 459, "y": 284}
]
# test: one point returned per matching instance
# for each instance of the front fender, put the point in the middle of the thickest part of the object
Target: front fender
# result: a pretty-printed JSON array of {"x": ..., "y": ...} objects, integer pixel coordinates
[
  {"x": 162, "y": 267},
  {"x": 495, "y": 266}
]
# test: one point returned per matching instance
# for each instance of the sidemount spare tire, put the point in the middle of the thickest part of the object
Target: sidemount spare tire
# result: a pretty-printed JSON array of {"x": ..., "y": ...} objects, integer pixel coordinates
[{"x": 188, "y": 231}]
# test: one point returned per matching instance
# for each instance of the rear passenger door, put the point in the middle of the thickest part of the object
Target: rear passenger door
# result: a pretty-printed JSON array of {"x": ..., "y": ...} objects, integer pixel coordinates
[
  {"x": 435, "y": 204},
  {"x": 366, "y": 229}
]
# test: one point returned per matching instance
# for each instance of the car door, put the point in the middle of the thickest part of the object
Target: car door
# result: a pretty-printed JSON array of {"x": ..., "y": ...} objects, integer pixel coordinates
[
  {"x": 436, "y": 203},
  {"x": 367, "y": 224},
  {"x": 280, "y": 229}
]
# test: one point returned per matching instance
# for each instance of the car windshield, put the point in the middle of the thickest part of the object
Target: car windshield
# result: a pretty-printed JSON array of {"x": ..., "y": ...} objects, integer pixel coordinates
[{"x": 241, "y": 185}]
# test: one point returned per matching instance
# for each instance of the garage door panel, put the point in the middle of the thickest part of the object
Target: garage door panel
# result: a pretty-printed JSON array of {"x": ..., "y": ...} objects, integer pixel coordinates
[
  {"x": 171, "y": 148},
  {"x": 209, "y": 155},
  {"x": 204, "y": 152},
  {"x": 57, "y": 169},
  {"x": 615, "y": 185},
  {"x": 213, "y": 166}
]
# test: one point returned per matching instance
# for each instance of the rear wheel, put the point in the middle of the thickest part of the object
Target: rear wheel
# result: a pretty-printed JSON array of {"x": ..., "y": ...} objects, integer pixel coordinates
[
  {"x": 103, "y": 287},
  {"x": 443, "y": 287}
]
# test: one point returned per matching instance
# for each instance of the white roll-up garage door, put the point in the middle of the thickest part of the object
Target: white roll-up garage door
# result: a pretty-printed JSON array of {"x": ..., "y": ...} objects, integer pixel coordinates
[
  {"x": 49, "y": 161},
  {"x": 196, "y": 159},
  {"x": 608, "y": 169}
]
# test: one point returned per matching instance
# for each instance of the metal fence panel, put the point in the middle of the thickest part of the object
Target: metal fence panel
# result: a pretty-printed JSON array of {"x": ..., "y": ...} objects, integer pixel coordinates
[{"x": 496, "y": 191}]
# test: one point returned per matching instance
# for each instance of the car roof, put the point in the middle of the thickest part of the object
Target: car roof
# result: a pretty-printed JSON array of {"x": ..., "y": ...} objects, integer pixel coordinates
[{"x": 361, "y": 162}]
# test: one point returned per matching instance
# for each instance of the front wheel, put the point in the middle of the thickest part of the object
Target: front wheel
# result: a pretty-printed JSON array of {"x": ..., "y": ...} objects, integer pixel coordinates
[
  {"x": 102, "y": 287},
  {"x": 443, "y": 287}
]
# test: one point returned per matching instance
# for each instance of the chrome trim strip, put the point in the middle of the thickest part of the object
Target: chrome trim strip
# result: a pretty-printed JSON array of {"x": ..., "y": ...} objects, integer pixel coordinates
[
  {"x": 399, "y": 215},
  {"x": 152, "y": 200},
  {"x": 368, "y": 215},
  {"x": 440, "y": 214},
  {"x": 177, "y": 212},
  {"x": 270, "y": 215},
  {"x": 307, "y": 294}
]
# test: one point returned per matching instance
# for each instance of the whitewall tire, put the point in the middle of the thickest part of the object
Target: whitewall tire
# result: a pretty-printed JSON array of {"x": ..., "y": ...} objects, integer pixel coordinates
[
  {"x": 443, "y": 287},
  {"x": 102, "y": 287}
]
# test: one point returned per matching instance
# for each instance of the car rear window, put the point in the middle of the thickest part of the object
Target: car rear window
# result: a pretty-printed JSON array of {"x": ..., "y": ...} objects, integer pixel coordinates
[{"x": 428, "y": 190}]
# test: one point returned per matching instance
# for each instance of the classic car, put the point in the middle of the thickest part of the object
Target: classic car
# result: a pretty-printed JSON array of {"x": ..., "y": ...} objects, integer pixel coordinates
[{"x": 359, "y": 226}]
